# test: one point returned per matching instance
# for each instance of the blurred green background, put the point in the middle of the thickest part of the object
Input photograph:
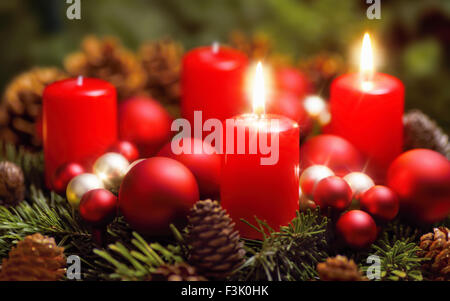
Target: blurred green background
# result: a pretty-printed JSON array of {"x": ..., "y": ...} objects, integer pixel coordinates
[{"x": 414, "y": 35}]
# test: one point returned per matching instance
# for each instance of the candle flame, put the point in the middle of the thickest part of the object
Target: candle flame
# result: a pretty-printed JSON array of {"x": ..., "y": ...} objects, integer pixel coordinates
[
  {"x": 366, "y": 65},
  {"x": 259, "y": 93},
  {"x": 215, "y": 47}
]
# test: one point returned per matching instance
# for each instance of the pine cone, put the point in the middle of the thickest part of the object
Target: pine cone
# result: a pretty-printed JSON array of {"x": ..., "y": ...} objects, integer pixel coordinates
[
  {"x": 35, "y": 258},
  {"x": 215, "y": 247},
  {"x": 422, "y": 132},
  {"x": 339, "y": 268},
  {"x": 436, "y": 247},
  {"x": 108, "y": 60},
  {"x": 12, "y": 184},
  {"x": 21, "y": 106},
  {"x": 176, "y": 272},
  {"x": 161, "y": 61}
]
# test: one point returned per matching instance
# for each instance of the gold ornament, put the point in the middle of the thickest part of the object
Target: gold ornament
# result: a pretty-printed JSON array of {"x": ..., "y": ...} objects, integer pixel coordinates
[
  {"x": 111, "y": 168},
  {"x": 79, "y": 185},
  {"x": 359, "y": 183}
]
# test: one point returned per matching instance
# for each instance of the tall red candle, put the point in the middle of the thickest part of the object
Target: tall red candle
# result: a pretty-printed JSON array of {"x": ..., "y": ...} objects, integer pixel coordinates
[
  {"x": 79, "y": 122},
  {"x": 367, "y": 110},
  {"x": 251, "y": 188},
  {"x": 212, "y": 81}
]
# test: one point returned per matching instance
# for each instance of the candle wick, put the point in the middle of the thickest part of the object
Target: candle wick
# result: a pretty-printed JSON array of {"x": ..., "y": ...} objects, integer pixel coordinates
[
  {"x": 215, "y": 47},
  {"x": 80, "y": 80}
]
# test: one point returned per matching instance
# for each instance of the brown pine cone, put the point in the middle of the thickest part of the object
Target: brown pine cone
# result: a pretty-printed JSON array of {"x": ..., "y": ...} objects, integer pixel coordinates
[
  {"x": 161, "y": 61},
  {"x": 436, "y": 247},
  {"x": 21, "y": 106},
  {"x": 339, "y": 268},
  {"x": 109, "y": 60},
  {"x": 422, "y": 132},
  {"x": 215, "y": 247},
  {"x": 12, "y": 184},
  {"x": 35, "y": 258},
  {"x": 176, "y": 272}
]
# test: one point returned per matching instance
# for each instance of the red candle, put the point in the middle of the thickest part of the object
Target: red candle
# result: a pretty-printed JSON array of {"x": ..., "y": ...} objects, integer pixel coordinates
[
  {"x": 79, "y": 122},
  {"x": 212, "y": 81},
  {"x": 367, "y": 110},
  {"x": 252, "y": 188}
]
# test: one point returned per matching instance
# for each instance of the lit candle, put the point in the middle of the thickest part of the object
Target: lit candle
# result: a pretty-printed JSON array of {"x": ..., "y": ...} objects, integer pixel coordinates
[
  {"x": 212, "y": 81},
  {"x": 79, "y": 122},
  {"x": 251, "y": 186},
  {"x": 366, "y": 109}
]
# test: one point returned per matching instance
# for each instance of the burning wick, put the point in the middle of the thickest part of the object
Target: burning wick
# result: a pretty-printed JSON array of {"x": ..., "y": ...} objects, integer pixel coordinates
[
  {"x": 80, "y": 80},
  {"x": 215, "y": 47}
]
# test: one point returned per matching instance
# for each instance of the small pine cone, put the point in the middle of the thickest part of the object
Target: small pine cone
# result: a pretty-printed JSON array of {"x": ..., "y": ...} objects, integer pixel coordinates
[
  {"x": 176, "y": 272},
  {"x": 216, "y": 250},
  {"x": 21, "y": 106},
  {"x": 339, "y": 268},
  {"x": 422, "y": 132},
  {"x": 436, "y": 247},
  {"x": 12, "y": 184},
  {"x": 35, "y": 258},
  {"x": 108, "y": 60},
  {"x": 161, "y": 61}
]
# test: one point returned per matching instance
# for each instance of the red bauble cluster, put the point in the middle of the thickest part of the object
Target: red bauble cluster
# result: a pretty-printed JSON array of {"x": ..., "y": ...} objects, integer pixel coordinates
[
  {"x": 357, "y": 229},
  {"x": 381, "y": 202},
  {"x": 64, "y": 174},
  {"x": 126, "y": 149},
  {"x": 98, "y": 207},
  {"x": 333, "y": 192},
  {"x": 156, "y": 193}
]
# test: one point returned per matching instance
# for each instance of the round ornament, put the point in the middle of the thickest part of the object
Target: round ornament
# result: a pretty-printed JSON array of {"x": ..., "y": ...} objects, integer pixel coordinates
[
  {"x": 79, "y": 185},
  {"x": 311, "y": 176},
  {"x": 111, "y": 168},
  {"x": 421, "y": 179},
  {"x": 126, "y": 149},
  {"x": 145, "y": 123},
  {"x": 381, "y": 202},
  {"x": 359, "y": 183},
  {"x": 98, "y": 207},
  {"x": 64, "y": 174},
  {"x": 202, "y": 160},
  {"x": 156, "y": 193},
  {"x": 357, "y": 229},
  {"x": 333, "y": 192},
  {"x": 291, "y": 80}
]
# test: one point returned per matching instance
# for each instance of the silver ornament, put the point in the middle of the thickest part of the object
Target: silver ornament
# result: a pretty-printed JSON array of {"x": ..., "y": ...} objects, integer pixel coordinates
[
  {"x": 359, "y": 183},
  {"x": 79, "y": 185},
  {"x": 111, "y": 168}
]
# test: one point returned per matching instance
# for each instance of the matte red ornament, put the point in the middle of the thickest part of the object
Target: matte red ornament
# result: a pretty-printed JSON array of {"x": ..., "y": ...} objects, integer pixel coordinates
[
  {"x": 332, "y": 151},
  {"x": 311, "y": 176},
  {"x": 333, "y": 192},
  {"x": 98, "y": 207},
  {"x": 64, "y": 174},
  {"x": 357, "y": 229},
  {"x": 381, "y": 202},
  {"x": 291, "y": 80},
  {"x": 202, "y": 160},
  {"x": 156, "y": 193},
  {"x": 126, "y": 149},
  {"x": 145, "y": 123},
  {"x": 421, "y": 179}
]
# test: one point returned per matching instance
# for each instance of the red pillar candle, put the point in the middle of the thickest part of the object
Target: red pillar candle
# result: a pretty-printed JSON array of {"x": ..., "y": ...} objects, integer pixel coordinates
[
  {"x": 212, "y": 81},
  {"x": 367, "y": 110},
  {"x": 79, "y": 122},
  {"x": 251, "y": 188}
]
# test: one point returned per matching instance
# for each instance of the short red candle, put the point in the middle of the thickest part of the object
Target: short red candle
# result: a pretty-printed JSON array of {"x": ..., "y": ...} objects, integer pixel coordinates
[
  {"x": 212, "y": 81},
  {"x": 79, "y": 122},
  {"x": 368, "y": 113}
]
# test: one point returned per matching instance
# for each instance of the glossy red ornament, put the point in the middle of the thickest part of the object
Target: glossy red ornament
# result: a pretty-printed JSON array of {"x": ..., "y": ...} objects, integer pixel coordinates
[
  {"x": 64, "y": 174},
  {"x": 202, "y": 160},
  {"x": 126, "y": 149},
  {"x": 332, "y": 151},
  {"x": 156, "y": 193},
  {"x": 333, "y": 192},
  {"x": 381, "y": 202},
  {"x": 145, "y": 123},
  {"x": 311, "y": 176},
  {"x": 98, "y": 207},
  {"x": 421, "y": 179},
  {"x": 357, "y": 229},
  {"x": 291, "y": 80}
]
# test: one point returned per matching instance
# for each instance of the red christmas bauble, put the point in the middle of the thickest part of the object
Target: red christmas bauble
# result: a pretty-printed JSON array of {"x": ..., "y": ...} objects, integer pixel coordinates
[
  {"x": 333, "y": 192},
  {"x": 421, "y": 179},
  {"x": 333, "y": 151},
  {"x": 357, "y": 229},
  {"x": 145, "y": 123},
  {"x": 290, "y": 105},
  {"x": 126, "y": 149},
  {"x": 64, "y": 174},
  {"x": 291, "y": 80},
  {"x": 202, "y": 160},
  {"x": 311, "y": 176},
  {"x": 98, "y": 207},
  {"x": 156, "y": 193},
  {"x": 381, "y": 202}
]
